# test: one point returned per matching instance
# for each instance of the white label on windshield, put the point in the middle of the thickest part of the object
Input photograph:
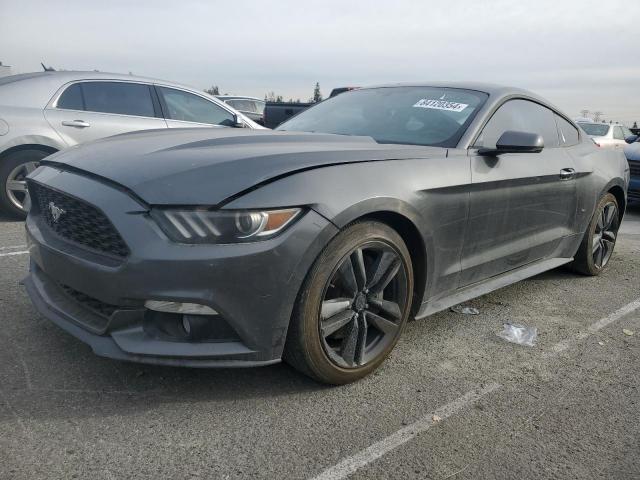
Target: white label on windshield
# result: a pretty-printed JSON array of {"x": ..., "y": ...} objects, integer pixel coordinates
[{"x": 441, "y": 105}]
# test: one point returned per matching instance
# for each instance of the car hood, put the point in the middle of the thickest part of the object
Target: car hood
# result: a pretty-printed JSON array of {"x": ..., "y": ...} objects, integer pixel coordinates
[{"x": 202, "y": 166}]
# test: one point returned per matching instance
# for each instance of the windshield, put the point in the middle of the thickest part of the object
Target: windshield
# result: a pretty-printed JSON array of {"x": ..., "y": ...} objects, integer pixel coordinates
[
  {"x": 595, "y": 129},
  {"x": 410, "y": 115}
]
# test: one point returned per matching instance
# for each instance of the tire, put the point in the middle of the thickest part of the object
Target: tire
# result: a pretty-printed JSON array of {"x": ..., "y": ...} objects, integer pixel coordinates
[
  {"x": 599, "y": 240},
  {"x": 16, "y": 166},
  {"x": 336, "y": 343}
]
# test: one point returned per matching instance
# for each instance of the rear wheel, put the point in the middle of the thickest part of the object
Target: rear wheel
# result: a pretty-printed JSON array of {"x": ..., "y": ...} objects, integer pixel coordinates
[
  {"x": 600, "y": 238},
  {"x": 353, "y": 305},
  {"x": 14, "y": 169}
]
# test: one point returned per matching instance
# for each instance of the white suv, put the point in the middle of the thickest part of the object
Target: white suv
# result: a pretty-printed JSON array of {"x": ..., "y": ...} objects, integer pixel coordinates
[{"x": 41, "y": 113}]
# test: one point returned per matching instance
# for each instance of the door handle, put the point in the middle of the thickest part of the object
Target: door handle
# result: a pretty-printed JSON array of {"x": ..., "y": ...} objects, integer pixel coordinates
[
  {"x": 567, "y": 173},
  {"x": 76, "y": 123}
]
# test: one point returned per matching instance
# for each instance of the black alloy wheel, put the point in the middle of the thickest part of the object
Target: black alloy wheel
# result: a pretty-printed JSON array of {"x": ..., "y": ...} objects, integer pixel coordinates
[
  {"x": 353, "y": 305},
  {"x": 363, "y": 304}
]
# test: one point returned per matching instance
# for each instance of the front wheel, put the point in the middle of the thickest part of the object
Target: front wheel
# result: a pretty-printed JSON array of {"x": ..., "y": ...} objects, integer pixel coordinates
[
  {"x": 600, "y": 238},
  {"x": 352, "y": 306}
]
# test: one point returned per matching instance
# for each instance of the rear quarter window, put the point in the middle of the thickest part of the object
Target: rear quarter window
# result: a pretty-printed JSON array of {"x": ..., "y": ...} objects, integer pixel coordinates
[
  {"x": 568, "y": 133},
  {"x": 71, "y": 98}
]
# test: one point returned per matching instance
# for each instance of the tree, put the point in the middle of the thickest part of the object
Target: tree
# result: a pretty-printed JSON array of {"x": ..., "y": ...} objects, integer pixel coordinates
[
  {"x": 214, "y": 90},
  {"x": 597, "y": 116},
  {"x": 584, "y": 113},
  {"x": 317, "y": 94},
  {"x": 272, "y": 97}
]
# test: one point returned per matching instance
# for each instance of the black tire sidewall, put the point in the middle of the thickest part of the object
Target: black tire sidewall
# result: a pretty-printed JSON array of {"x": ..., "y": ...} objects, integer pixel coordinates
[
  {"x": 7, "y": 165},
  {"x": 306, "y": 334}
]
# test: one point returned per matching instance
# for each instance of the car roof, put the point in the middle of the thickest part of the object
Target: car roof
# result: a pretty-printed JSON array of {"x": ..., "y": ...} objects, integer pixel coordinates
[
  {"x": 490, "y": 88},
  {"x": 36, "y": 89}
]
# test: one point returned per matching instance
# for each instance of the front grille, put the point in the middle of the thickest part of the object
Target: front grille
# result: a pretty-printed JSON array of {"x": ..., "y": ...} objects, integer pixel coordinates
[
  {"x": 77, "y": 221},
  {"x": 634, "y": 167},
  {"x": 93, "y": 304}
]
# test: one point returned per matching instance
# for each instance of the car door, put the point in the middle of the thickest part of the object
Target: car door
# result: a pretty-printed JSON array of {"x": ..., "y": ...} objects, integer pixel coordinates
[
  {"x": 185, "y": 109},
  {"x": 88, "y": 110},
  {"x": 521, "y": 204}
]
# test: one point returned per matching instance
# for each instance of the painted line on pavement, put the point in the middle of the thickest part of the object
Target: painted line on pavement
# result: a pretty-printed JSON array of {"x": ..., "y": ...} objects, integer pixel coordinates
[
  {"x": 14, "y": 247},
  {"x": 354, "y": 462},
  {"x": 595, "y": 327},
  {"x": 9, "y": 254}
]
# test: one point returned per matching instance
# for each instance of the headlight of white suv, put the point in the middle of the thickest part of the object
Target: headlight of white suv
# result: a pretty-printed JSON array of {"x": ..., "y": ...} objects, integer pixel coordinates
[{"x": 222, "y": 226}]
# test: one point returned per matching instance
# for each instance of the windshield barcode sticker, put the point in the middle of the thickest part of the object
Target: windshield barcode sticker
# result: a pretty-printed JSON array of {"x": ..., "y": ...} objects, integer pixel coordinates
[{"x": 441, "y": 105}]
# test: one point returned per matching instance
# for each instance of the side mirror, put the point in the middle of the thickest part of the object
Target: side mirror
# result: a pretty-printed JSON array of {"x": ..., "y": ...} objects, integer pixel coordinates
[
  {"x": 515, "y": 142},
  {"x": 631, "y": 138},
  {"x": 237, "y": 122}
]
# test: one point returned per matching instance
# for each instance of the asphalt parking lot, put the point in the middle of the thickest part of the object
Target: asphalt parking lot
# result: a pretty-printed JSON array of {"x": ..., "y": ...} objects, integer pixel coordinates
[{"x": 453, "y": 401}]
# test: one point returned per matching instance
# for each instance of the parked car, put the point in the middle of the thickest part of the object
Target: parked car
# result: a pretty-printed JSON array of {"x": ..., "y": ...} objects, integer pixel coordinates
[
  {"x": 238, "y": 248},
  {"x": 632, "y": 152},
  {"x": 41, "y": 113},
  {"x": 605, "y": 134},
  {"x": 249, "y": 106},
  {"x": 277, "y": 112}
]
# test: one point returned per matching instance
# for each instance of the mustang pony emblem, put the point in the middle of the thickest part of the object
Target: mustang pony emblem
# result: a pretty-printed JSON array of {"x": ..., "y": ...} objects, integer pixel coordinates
[{"x": 56, "y": 212}]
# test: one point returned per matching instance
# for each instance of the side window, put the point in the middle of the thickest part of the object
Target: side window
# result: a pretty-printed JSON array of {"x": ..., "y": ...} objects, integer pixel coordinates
[
  {"x": 522, "y": 116},
  {"x": 243, "y": 105},
  {"x": 71, "y": 98},
  {"x": 118, "y": 97},
  {"x": 617, "y": 133},
  {"x": 568, "y": 133},
  {"x": 188, "y": 107}
]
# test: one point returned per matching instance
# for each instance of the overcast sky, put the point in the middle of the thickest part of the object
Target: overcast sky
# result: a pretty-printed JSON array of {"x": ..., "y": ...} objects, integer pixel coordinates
[{"x": 578, "y": 54}]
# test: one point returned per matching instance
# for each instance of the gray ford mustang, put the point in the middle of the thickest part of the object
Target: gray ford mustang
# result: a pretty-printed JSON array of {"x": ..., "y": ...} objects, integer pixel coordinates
[{"x": 315, "y": 243}]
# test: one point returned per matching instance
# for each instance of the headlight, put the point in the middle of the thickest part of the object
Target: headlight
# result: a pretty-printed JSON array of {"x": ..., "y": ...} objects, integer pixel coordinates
[{"x": 222, "y": 226}]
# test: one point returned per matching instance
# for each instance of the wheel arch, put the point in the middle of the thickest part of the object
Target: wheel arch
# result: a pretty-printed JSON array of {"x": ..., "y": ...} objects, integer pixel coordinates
[
  {"x": 27, "y": 146},
  {"x": 618, "y": 192},
  {"x": 416, "y": 246},
  {"x": 404, "y": 219}
]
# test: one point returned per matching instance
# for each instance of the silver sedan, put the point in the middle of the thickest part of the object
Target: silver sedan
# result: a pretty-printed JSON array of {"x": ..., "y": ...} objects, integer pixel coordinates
[{"x": 41, "y": 113}]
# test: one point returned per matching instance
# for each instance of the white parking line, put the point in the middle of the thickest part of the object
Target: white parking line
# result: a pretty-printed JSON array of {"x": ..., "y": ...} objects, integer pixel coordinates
[
  {"x": 350, "y": 464},
  {"x": 8, "y": 254},
  {"x": 15, "y": 247},
  {"x": 595, "y": 327}
]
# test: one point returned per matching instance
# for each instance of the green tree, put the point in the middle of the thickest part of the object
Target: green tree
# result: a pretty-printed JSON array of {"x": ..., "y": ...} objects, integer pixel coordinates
[
  {"x": 317, "y": 94},
  {"x": 272, "y": 97},
  {"x": 214, "y": 90}
]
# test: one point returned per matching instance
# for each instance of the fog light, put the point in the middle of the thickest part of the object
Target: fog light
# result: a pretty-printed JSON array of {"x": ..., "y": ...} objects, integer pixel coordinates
[{"x": 177, "y": 307}]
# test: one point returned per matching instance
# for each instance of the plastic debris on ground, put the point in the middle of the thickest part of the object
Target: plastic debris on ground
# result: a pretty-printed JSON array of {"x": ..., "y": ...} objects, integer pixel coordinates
[
  {"x": 436, "y": 418},
  {"x": 627, "y": 332},
  {"x": 465, "y": 310},
  {"x": 519, "y": 334}
]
